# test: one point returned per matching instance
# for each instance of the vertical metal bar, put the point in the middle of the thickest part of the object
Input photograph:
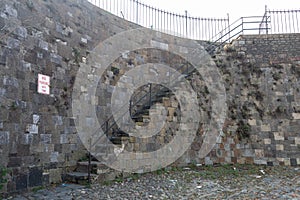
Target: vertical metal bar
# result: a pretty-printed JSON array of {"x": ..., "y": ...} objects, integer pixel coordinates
[
  {"x": 272, "y": 21},
  {"x": 222, "y": 30},
  {"x": 210, "y": 24},
  {"x": 266, "y": 19},
  {"x": 293, "y": 22},
  {"x": 106, "y": 126},
  {"x": 183, "y": 31},
  {"x": 162, "y": 20},
  {"x": 149, "y": 16},
  {"x": 289, "y": 15},
  {"x": 176, "y": 24},
  {"x": 152, "y": 17},
  {"x": 157, "y": 19},
  {"x": 154, "y": 24},
  {"x": 266, "y": 16},
  {"x": 187, "y": 66},
  {"x": 117, "y": 8},
  {"x": 144, "y": 17},
  {"x": 297, "y": 22},
  {"x": 243, "y": 25},
  {"x": 167, "y": 22},
  {"x": 192, "y": 25},
  {"x": 228, "y": 27},
  {"x": 89, "y": 162},
  {"x": 179, "y": 25},
  {"x": 286, "y": 27},
  {"x": 110, "y": 10},
  {"x": 130, "y": 108},
  {"x": 208, "y": 28},
  {"x": 137, "y": 11},
  {"x": 123, "y": 9},
  {"x": 203, "y": 28},
  {"x": 194, "y": 28},
  {"x": 150, "y": 95},
  {"x": 190, "y": 28},
  {"x": 199, "y": 24},
  {"x": 186, "y": 23},
  {"x": 281, "y": 21},
  {"x": 278, "y": 21},
  {"x": 133, "y": 11}
]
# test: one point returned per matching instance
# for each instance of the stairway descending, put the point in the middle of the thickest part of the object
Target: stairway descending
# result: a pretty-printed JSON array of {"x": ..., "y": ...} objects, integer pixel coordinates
[{"x": 99, "y": 173}]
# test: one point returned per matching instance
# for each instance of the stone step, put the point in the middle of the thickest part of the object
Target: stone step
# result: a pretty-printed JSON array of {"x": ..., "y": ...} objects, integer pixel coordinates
[
  {"x": 80, "y": 177},
  {"x": 95, "y": 167},
  {"x": 117, "y": 140}
]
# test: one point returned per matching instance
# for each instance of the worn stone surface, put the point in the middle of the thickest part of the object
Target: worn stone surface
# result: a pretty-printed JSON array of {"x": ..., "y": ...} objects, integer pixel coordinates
[
  {"x": 37, "y": 132},
  {"x": 38, "y": 137},
  {"x": 231, "y": 182}
]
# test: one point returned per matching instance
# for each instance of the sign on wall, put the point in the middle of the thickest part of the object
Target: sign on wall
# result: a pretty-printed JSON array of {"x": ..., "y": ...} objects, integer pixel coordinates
[{"x": 43, "y": 84}]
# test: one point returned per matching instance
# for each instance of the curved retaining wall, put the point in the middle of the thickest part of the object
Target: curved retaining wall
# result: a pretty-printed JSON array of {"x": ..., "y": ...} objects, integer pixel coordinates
[{"x": 38, "y": 136}]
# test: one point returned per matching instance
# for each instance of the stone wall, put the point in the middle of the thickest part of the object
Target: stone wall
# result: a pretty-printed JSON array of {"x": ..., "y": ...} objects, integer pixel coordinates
[
  {"x": 261, "y": 74},
  {"x": 38, "y": 138},
  {"x": 264, "y": 50}
]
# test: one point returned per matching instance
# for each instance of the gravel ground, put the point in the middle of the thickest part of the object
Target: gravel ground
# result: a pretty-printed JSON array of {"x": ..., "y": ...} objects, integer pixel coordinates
[{"x": 217, "y": 182}]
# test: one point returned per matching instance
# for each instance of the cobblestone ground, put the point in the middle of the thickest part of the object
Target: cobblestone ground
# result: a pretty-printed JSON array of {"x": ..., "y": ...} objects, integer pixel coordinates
[{"x": 222, "y": 182}]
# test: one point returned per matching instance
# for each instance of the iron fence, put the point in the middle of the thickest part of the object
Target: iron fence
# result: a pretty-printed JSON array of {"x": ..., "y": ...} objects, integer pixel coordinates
[
  {"x": 182, "y": 25},
  {"x": 283, "y": 21},
  {"x": 244, "y": 25},
  {"x": 199, "y": 28}
]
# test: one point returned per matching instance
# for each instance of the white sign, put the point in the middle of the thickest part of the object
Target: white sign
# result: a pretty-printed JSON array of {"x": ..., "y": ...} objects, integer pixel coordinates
[{"x": 43, "y": 84}]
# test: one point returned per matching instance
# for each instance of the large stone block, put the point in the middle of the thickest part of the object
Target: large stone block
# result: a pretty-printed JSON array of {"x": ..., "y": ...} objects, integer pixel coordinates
[
  {"x": 4, "y": 137},
  {"x": 35, "y": 177},
  {"x": 21, "y": 181},
  {"x": 55, "y": 175}
]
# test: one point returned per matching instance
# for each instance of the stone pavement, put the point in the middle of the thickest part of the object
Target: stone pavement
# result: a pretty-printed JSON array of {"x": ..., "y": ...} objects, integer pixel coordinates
[{"x": 223, "y": 182}]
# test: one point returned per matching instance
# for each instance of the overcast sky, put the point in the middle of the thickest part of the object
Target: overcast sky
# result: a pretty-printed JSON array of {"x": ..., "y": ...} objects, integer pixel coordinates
[{"x": 220, "y": 8}]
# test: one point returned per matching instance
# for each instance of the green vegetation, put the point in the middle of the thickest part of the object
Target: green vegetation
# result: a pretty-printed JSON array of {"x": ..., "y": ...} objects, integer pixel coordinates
[
  {"x": 77, "y": 55},
  {"x": 36, "y": 189},
  {"x": 13, "y": 106},
  {"x": 243, "y": 130},
  {"x": 3, "y": 173},
  {"x": 115, "y": 71}
]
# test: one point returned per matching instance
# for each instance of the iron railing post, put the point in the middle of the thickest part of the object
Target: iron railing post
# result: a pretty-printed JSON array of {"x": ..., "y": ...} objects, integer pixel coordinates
[
  {"x": 266, "y": 16},
  {"x": 186, "y": 23},
  {"x": 242, "y": 25},
  {"x": 130, "y": 107},
  {"x": 106, "y": 126},
  {"x": 150, "y": 95},
  {"x": 137, "y": 11},
  {"x": 228, "y": 25}
]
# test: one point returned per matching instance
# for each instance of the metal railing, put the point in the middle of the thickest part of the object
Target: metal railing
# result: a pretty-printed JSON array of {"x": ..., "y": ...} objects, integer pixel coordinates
[
  {"x": 199, "y": 28},
  {"x": 182, "y": 25},
  {"x": 282, "y": 21},
  {"x": 218, "y": 31}
]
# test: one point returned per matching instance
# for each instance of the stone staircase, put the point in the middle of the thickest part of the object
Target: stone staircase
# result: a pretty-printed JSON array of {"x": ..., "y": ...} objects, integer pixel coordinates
[
  {"x": 140, "y": 114},
  {"x": 99, "y": 173}
]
